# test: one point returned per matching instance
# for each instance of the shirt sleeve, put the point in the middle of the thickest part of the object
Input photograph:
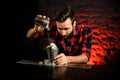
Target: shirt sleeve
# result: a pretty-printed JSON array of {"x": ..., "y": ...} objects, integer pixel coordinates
[{"x": 87, "y": 41}]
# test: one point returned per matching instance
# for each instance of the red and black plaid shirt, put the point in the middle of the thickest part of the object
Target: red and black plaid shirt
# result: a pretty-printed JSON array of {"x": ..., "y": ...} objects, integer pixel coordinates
[{"x": 78, "y": 42}]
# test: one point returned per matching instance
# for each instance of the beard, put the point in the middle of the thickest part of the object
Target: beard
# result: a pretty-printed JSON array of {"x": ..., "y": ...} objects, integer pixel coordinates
[{"x": 65, "y": 36}]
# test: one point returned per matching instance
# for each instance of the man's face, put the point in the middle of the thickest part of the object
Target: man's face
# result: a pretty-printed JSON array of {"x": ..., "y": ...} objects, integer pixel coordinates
[{"x": 65, "y": 28}]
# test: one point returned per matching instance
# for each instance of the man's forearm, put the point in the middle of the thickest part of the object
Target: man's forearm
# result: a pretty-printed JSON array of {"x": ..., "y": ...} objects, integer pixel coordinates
[
  {"x": 77, "y": 59},
  {"x": 31, "y": 33}
]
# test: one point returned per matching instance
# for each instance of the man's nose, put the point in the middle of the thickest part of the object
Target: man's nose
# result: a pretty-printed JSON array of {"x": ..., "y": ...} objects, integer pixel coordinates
[{"x": 63, "y": 32}]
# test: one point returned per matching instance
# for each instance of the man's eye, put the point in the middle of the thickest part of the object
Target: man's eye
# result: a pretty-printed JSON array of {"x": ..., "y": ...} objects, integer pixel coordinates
[
  {"x": 63, "y": 29},
  {"x": 66, "y": 28}
]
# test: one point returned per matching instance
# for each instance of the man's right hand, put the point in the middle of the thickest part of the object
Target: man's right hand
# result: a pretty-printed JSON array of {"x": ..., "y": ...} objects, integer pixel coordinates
[
  {"x": 39, "y": 23},
  {"x": 36, "y": 28}
]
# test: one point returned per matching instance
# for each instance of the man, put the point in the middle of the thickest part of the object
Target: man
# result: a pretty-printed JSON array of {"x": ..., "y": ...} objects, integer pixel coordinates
[{"x": 73, "y": 40}]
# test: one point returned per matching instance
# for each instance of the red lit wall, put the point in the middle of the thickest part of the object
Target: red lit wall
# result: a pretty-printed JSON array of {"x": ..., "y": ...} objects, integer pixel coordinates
[{"x": 103, "y": 16}]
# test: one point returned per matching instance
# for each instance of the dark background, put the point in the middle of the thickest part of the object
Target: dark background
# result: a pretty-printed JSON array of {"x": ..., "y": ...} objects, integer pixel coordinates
[{"x": 103, "y": 16}]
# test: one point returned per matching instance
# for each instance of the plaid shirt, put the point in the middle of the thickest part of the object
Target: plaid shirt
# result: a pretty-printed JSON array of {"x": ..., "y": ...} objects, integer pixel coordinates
[{"x": 78, "y": 42}]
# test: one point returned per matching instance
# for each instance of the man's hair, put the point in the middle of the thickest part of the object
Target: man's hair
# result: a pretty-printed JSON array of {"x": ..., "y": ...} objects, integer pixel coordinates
[{"x": 63, "y": 13}]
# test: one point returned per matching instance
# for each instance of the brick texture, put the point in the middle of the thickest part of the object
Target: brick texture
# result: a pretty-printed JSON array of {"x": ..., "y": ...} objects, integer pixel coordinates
[{"x": 103, "y": 16}]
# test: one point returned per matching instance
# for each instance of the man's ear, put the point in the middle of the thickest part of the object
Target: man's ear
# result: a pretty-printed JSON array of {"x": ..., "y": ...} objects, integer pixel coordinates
[{"x": 74, "y": 23}]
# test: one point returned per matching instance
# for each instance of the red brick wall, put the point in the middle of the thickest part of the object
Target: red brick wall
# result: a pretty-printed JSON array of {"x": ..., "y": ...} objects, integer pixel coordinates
[{"x": 103, "y": 16}]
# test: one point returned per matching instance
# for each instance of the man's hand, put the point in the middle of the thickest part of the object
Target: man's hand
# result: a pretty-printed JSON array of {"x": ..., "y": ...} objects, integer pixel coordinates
[
  {"x": 61, "y": 59},
  {"x": 41, "y": 22}
]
